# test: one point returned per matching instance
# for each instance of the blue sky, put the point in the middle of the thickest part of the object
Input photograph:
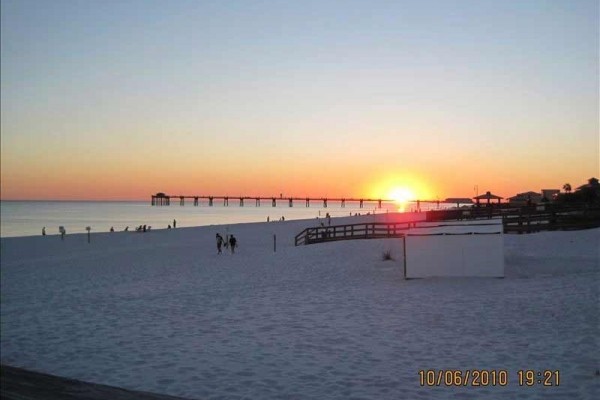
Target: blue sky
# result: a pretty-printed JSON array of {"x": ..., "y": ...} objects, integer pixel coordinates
[{"x": 485, "y": 86}]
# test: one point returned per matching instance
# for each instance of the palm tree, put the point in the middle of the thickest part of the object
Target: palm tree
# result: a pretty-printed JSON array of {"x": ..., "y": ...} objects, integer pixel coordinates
[{"x": 567, "y": 187}]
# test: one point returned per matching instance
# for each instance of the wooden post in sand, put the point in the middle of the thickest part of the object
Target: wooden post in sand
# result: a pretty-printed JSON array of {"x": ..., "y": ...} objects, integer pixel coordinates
[{"x": 404, "y": 255}]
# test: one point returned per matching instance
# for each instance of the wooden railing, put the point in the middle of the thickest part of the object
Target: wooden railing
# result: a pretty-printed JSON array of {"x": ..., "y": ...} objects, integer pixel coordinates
[
  {"x": 373, "y": 230},
  {"x": 550, "y": 218},
  {"x": 470, "y": 213},
  {"x": 528, "y": 218},
  {"x": 515, "y": 220}
]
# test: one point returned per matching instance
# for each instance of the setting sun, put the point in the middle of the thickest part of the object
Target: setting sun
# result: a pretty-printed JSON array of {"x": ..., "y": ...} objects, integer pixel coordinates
[
  {"x": 402, "y": 188},
  {"x": 401, "y": 195}
]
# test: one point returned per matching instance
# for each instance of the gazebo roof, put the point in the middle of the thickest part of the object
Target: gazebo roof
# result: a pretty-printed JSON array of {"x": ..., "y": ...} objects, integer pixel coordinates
[{"x": 488, "y": 196}]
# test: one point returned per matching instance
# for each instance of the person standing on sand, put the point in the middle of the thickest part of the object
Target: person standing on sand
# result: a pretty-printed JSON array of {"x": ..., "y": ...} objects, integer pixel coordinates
[
  {"x": 232, "y": 243},
  {"x": 174, "y": 224},
  {"x": 219, "y": 243},
  {"x": 44, "y": 231}
]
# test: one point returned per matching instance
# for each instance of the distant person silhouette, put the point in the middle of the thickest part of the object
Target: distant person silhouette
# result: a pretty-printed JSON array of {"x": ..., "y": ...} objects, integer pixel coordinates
[
  {"x": 44, "y": 231},
  {"x": 232, "y": 243},
  {"x": 127, "y": 228},
  {"x": 219, "y": 243},
  {"x": 174, "y": 224},
  {"x": 112, "y": 229},
  {"x": 169, "y": 227}
]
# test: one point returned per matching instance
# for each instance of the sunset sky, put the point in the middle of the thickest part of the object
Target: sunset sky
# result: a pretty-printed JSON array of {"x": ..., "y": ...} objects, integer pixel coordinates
[{"x": 122, "y": 99}]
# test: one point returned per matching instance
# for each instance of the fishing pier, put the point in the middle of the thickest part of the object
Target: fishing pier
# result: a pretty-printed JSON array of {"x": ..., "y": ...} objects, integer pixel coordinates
[{"x": 162, "y": 199}]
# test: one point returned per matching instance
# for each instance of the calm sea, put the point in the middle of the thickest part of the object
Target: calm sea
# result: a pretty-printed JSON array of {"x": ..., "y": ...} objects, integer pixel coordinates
[{"x": 26, "y": 218}]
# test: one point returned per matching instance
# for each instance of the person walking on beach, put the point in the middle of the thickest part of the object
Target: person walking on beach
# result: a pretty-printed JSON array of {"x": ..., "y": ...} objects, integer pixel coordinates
[
  {"x": 232, "y": 243},
  {"x": 44, "y": 231},
  {"x": 219, "y": 243},
  {"x": 174, "y": 224}
]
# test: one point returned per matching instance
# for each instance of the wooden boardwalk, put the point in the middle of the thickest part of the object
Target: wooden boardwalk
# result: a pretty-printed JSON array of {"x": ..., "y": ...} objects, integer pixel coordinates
[
  {"x": 551, "y": 218},
  {"x": 373, "y": 230},
  {"x": 528, "y": 219},
  {"x": 514, "y": 220}
]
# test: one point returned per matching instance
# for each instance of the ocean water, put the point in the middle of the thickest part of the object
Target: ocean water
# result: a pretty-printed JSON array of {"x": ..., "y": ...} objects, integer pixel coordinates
[{"x": 27, "y": 218}]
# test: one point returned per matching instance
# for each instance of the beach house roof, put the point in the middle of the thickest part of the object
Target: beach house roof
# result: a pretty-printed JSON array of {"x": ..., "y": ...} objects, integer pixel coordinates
[
  {"x": 526, "y": 198},
  {"x": 592, "y": 183},
  {"x": 524, "y": 195}
]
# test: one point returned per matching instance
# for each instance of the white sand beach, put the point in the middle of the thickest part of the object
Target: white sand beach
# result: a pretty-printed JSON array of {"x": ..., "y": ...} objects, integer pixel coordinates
[{"x": 162, "y": 312}]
